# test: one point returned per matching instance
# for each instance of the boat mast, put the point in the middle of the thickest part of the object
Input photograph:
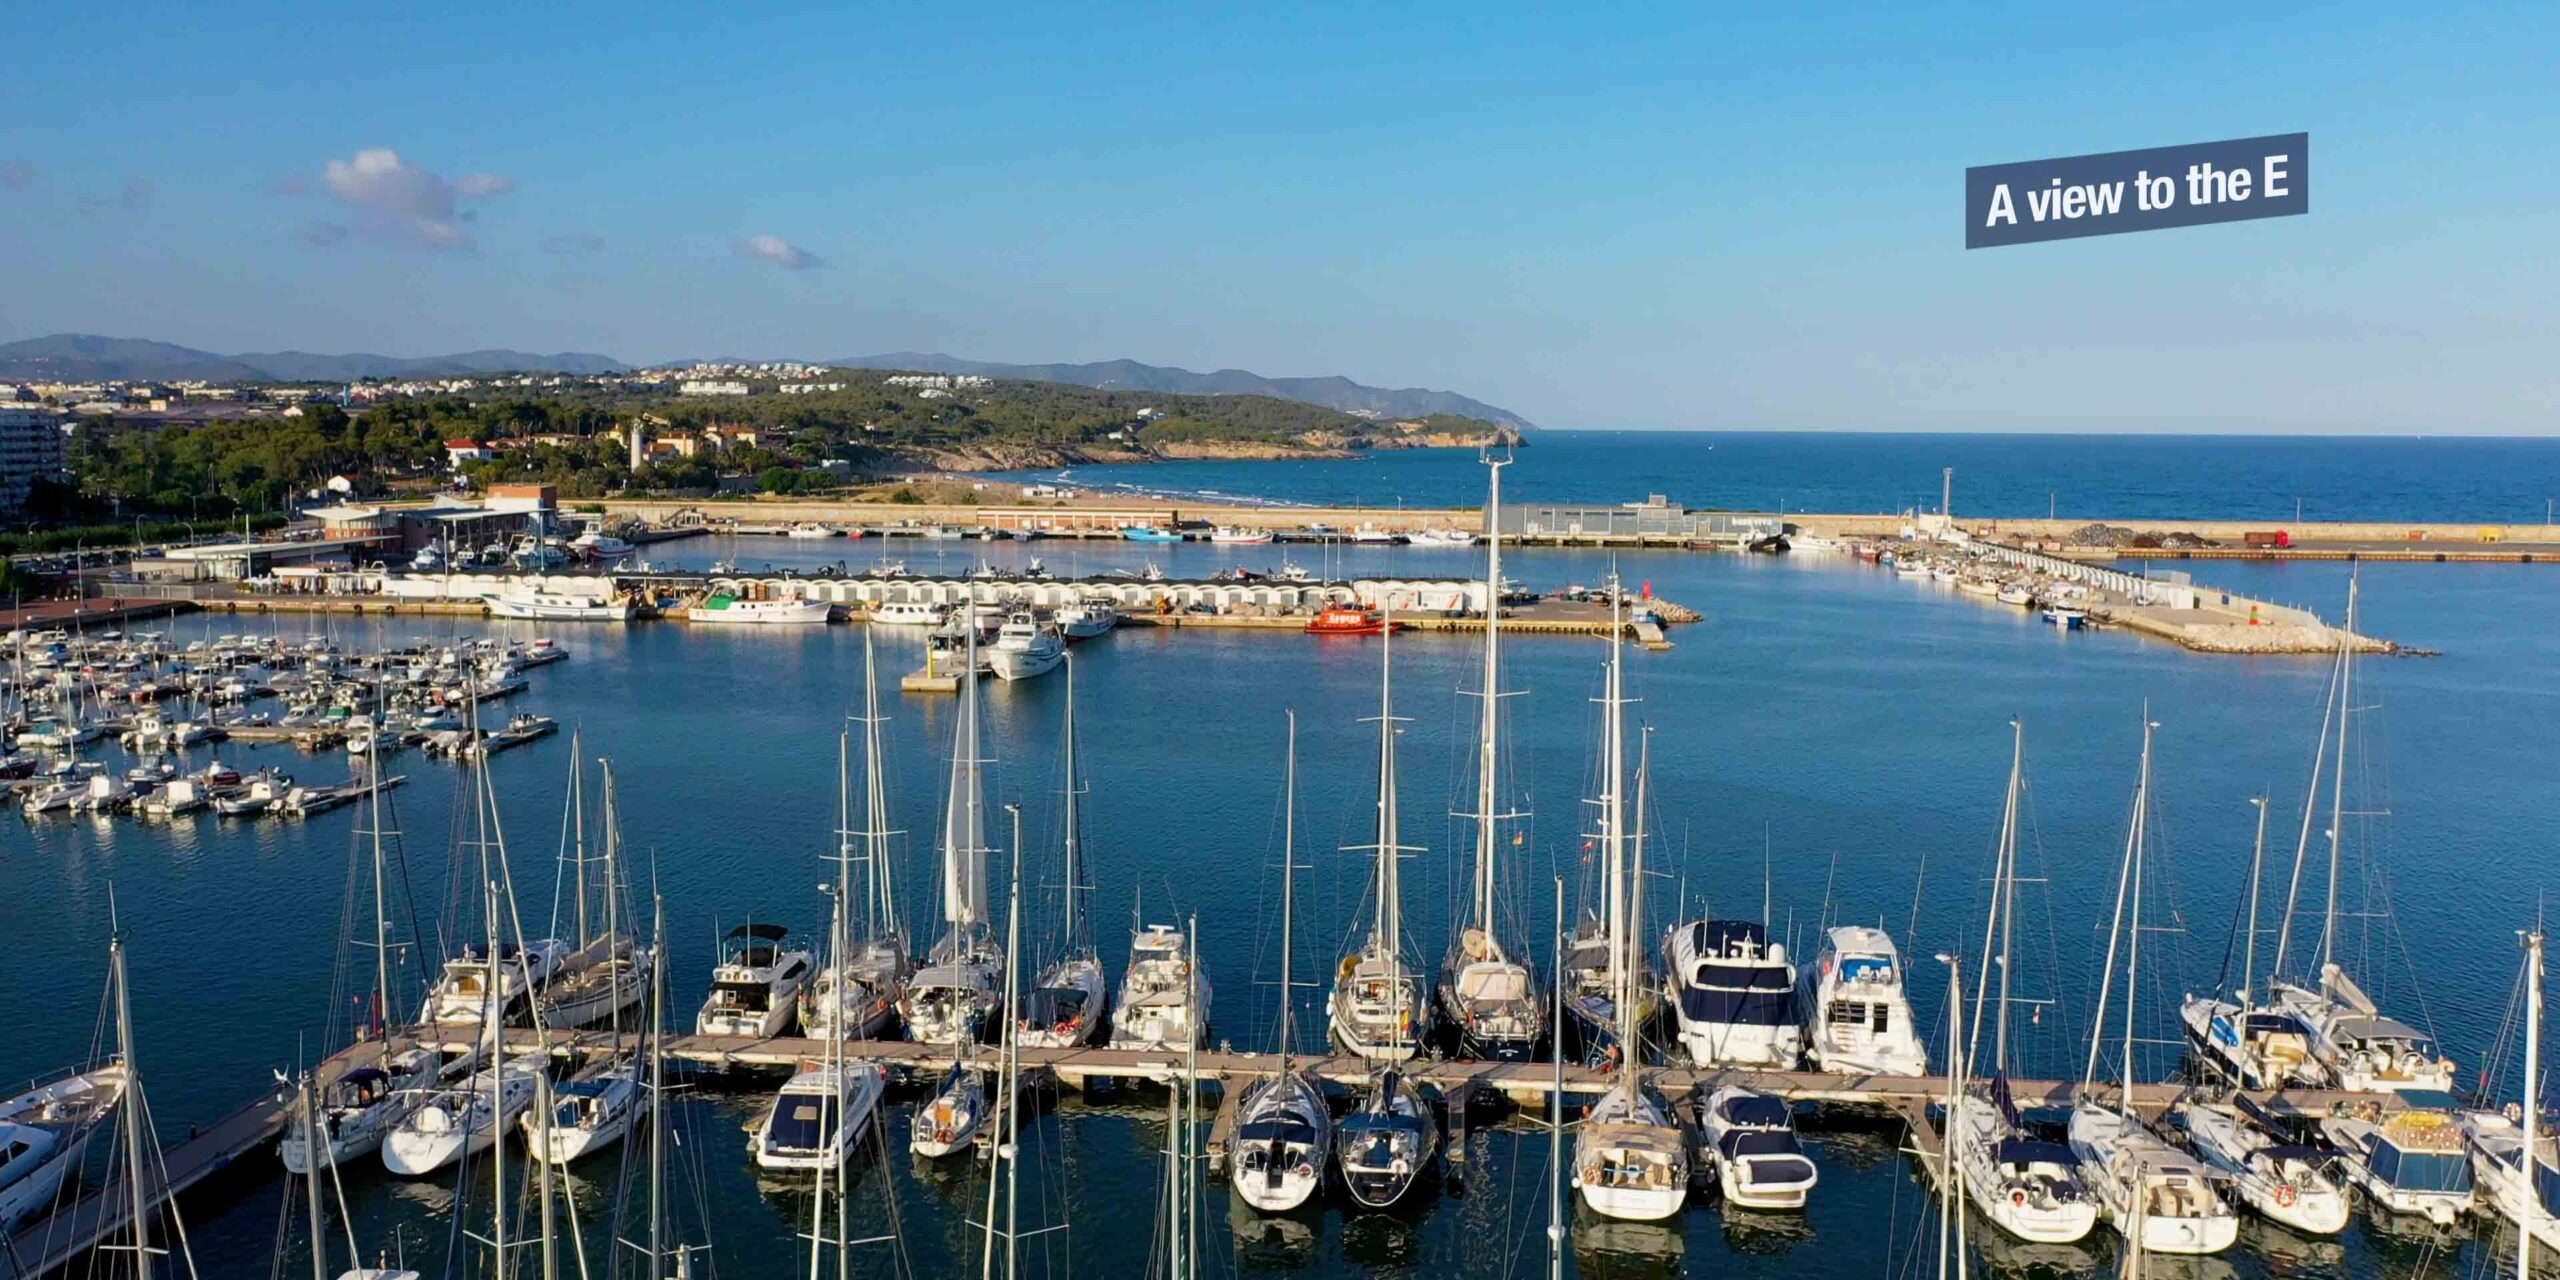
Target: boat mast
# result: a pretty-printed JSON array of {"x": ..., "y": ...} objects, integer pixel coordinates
[
  {"x": 964, "y": 820},
  {"x": 1632, "y": 1052},
  {"x": 2257, "y": 861},
  {"x": 2115, "y": 926},
  {"x": 1075, "y": 833},
  {"x": 1009, "y": 1061},
  {"x": 2338, "y": 783},
  {"x": 314, "y": 1150},
  {"x": 1388, "y": 925},
  {"x": 2310, "y": 805},
  {"x": 495, "y": 1022},
  {"x": 2530, "y": 1167},
  {"x": 1555, "y": 1109},
  {"x": 1288, "y": 887},
  {"x": 1612, "y": 799},
  {"x": 135, "y": 1200},
  {"x": 876, "y": 832},
  {"x": 2133, "y": 930},
  {"x": 577, "y": 820},
  {"x": 657, "y": 1085},
  {"x": 381, "y": 912},
  {"x": 1488, "y": 731},
  {"x": 2004, "y": 902},
  {"x": 613, "y": 948}
]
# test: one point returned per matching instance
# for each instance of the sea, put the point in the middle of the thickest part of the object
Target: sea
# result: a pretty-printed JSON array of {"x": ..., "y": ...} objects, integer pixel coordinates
[
  {"x": 1830, "y": 744},
  {"x": 2492, "y": 480}
]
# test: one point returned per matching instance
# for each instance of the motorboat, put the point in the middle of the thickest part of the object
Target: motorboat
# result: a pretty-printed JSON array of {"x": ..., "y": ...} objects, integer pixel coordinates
[
  {"x": 2266, "y": 1161},
  {"x": 1387, "y": 1142},
  {"x": 1164, "y": 997},
  {"x": 1751, "y": 1142},
  {"x": 906, "y": 613},
  {"x": 459, "y": 1121},
  {"x": 1086, "y": 619},
  {"x": 1149, "y": 533},
  {"x": 538, "y": 600},
  {"x": 2498, "y": 1164},
  {"x": 819, "y": 1116},
  {"x": 2413, "y": 1162},
  {"x": 2066, "y": 617},
  {"x": 460, "y": 996},
  {"x": 2254, "y": 1048},
  {"x": 721, "y": 607},
  {"x": 44, "y": 1133},
  {"x": 1349, "y": 620},
  {"x": 2016, "y": 593},
  {"x": 809, "y": 530},
  {"x": 1857, "y": 1012},
  {"x": 1025, "y": 648},
  {"x": 1440, "y": 538},
  {"x": 1238, "y": 536},
  {"x": 2160, "y": 1199},
  {"x": 950, "y": 1123},
  {"x": 588, "y": 1115},
  {"x": 593, "y": 543},
  {"x": 1733, "y": 992},
  {"x": 755, "y": 989},
  {"x": 1370, "y": 535}
]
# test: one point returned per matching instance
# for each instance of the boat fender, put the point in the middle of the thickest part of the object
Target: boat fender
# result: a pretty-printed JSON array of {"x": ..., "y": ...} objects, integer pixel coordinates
[
  {"x": 2018, "y": 1198},
  {"x": 2284, "y": 1195}
]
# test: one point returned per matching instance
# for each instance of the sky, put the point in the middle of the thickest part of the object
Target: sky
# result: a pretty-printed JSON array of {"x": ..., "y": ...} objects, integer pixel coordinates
[{"x": 1677, "y": 217}]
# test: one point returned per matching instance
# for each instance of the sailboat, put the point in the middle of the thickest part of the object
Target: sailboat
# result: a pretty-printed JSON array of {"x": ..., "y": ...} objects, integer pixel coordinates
[
  {"x": 606, "y": 977},
  {"x": 46, "y": 1130},
  {"x": 2027, "y": 1187},
  {"x": 2160, "y": 1200},
  {"x": 363, "y": 1103},
  {"x": 1492, "y": 1000},
  {"x": 1378, "y": 1011},
  {"x": 950, "y": 1000},
  {"x": 1630, "y": 1162},
  {"x": 1003, "y": 1209},
  {"x": 468, "y": 1118},
  {"x": 1284, "y": 1128},
  {"x": 856, "y": 996},
  {"x": 2250, "y": 1045},
  {"x": 599, "y": 1107},
  {"x": 2358, "y": 1048},
  {"x": 1066, "y": 1007},
  {"x": 1593, "y": 977},
  {"x": 2525, "y": 1189}
]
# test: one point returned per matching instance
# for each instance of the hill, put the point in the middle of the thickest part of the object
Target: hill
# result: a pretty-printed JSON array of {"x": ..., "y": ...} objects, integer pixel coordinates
[
  {"x": 83, "y": 357},
  {"x": 1330, "y": 392}
]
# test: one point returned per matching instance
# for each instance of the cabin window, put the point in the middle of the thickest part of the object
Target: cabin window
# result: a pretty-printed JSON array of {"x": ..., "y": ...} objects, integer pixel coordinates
[
  {"x": 1847, "y": 1012},
  {"x": 1883, "y": 1014}
]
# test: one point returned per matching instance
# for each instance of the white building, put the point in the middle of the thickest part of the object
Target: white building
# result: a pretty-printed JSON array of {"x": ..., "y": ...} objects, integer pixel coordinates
[
  {"x": 30, "y": 450},
  {"x": 707, "y": 387}
]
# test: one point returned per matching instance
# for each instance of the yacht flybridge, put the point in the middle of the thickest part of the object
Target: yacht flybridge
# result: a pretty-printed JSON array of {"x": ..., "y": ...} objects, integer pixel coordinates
[
  {"x": 755, "y": 989},
  {"x": 1858, "y": 1009}
]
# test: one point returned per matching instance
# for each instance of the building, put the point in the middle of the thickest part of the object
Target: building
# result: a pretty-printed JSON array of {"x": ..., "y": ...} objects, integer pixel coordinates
[
  {"x": 708, "y": 387},
  {"x": 30, "y": 450},
  {"x": 1656, "y": 519},
  {"x": 457, "y": 452}
]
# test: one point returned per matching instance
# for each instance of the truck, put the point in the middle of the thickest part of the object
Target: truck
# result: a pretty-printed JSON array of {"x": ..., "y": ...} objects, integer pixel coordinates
[{"x": 2268, "y": 538}]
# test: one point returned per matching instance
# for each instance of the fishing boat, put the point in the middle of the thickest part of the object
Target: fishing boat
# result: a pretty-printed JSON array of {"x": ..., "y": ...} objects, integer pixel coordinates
[
  {"x": 593, "y": 543},
  {"x": 2066, "y": 617},
  {"x": 1856, "y": 1009},
  {"x": 1025, "y": 648},
  {"x": 1440, "y": 538},
  {"x": 2016, "y": 594},
  {"x": 1086, "y": 619},
  {"x": 1370, "y": 535},
  {"x": 1751, "y": 1143},
  {"x": 1598, "y": 975},
  {"x": 1236, "y": 536},
  {"x": 1390, "y": 1139},
  {"x": 1631, "y": 1160},
  {"x": 1379, "y": 1010},
  {"x": 1164, "y": 996},
  {"x": 2158, "y": 1197},
  {"x": 729, "y": 610},
  {"x": 1350, "y": 620},
  {"x": 2277, "y": 1166},
  {"x": 1284, "y": 1128},
  {"x": 809, "y": 530},
  {"x": 1494, "y": 1002},
  {"x": 1149, "y": 533},
  {"x": 1068, "y": 1003},
  {"x": 856, "y": 996},
  {"x": 536, "y": 599},
  {"x": 952, "y": 997},
  {"x": 1732, "y": 991},
  {"x": 906, "y": 613},
  {"x": 755, "y": 989}
]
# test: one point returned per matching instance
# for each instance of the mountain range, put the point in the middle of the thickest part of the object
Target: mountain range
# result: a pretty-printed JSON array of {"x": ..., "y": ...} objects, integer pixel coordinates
[{"x": 82, "y": 357}]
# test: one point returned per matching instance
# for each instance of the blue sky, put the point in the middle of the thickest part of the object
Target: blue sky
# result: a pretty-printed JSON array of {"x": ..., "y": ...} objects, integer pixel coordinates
[{"x": 1671, "y": 218}]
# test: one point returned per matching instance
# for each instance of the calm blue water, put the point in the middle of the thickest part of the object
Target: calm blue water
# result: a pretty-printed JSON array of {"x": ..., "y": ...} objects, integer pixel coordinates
[
  {"x": 2091, "y": 476},
  {"x": 1844, "y": 729}
]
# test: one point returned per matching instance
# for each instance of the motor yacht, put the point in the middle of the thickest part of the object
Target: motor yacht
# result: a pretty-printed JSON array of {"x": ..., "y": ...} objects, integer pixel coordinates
[
  {"x": 755, "y": 989},
  {"x": 819, "y": 1116},
  {"x": 1733, "y": 992},
  {"x": 1858, "y": 1014},
  {"x": 1164, "y": 997},
  {"x": 1751, "y": 1143}
]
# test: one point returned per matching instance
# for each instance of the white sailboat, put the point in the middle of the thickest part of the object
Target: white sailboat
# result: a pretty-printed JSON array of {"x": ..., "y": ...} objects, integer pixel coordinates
[
  {"x": 1594, "y": 976},
  {"x": 2029, "y": 1188},
  {"x": 606, "y": 978},
  {"x": 1068, "y": 1004},
  {"x": 2159, "y": 1199},
  {"x": 2359, "y": 1048},
  {"x": 468, "y": 1118},
  {"x": 1378, "y": 1010},
  {"x": 1630, "y": 1162},
  {"x": 856, "y": 996},
  {"x": 952, "y": 997},
  {"x": 2271, "y": 1171},
  {"x": 2524, "y": 1188},
  {"x": 1492, "y": 1000},
  {"x": 602, "y": 1104},
  {"x": 1284, "y": 1128}
]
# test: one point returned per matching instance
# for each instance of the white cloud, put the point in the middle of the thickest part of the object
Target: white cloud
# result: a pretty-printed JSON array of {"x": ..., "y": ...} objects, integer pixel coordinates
[
  {"x": 780, "y": 252},
  {"x": 400, "y": 201}
]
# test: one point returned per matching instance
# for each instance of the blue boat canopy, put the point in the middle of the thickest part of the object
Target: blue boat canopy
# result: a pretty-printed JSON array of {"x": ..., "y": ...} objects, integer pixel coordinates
[
  {"x": 1758, "y": 1110},
  {"x": 2027, "y": 1151}
]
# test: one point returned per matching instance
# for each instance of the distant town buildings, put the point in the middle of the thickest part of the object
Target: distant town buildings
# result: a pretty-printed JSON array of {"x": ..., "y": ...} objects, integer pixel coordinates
[
  {"x": 30, "y": 450},
  {"x": 709, "y": 387},
  {"x": 926, "y": 384},
  {"x": 805, "y": 388}
]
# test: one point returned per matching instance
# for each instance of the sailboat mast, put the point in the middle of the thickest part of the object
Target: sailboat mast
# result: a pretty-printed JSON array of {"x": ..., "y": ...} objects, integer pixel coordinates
[
  {"x": 2310, "y": 806},
  {"x": 1613, "y": 802},
  {"x": 964, "y": 836},
  {"x": 875, "y": 781},
  {"x": 657, "y": 1085},
  {"x": 1633, "y": 1052},
  {"x": 2006, "y": 886},
  {"x": 2338, "y": 783},
  {"x": 578, "y": 822},
  {"x": 381, "y": 911},
  {"x": 2115, "y": 925},
  {"x": 496, "y": 1024},
  {"x": 2530, "y": 1167},
  {"x": 1488, "y": 731},
  {"x": 2133, "y": 931},
  {"x": 1389, "y": 922},
  {"x": 1555, "y": 1109},
  {"x": 613, "y": 949},
  {"x": 314, "y": 1151},
  {"x": 139, "y": 1204},
  {"x": 1288, "y": 889},
  {"x": 1075, "y": 787},
  {"x": 2257, "y": 864}
]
